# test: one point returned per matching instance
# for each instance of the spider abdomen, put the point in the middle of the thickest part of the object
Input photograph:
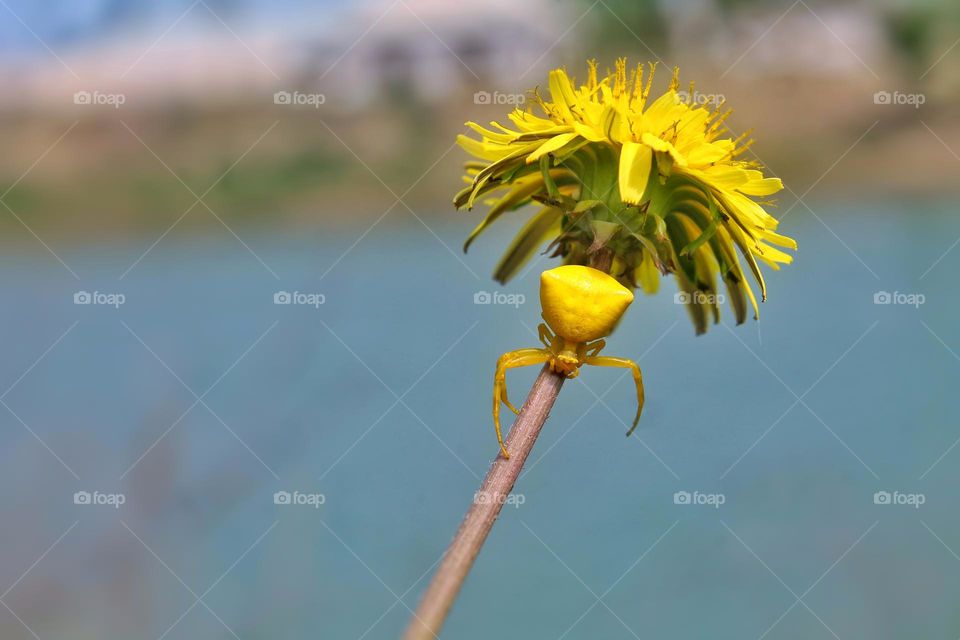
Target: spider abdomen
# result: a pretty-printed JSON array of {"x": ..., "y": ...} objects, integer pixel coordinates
[{"x": 582, "y": 304}]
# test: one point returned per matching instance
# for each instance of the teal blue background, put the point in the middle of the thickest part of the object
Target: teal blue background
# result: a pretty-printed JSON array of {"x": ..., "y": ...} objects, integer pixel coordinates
[{"x": 314, "y": 401}]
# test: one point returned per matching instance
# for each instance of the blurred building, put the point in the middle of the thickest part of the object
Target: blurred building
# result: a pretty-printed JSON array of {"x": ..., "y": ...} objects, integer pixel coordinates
[
  {"x": 432, "y": 48},
  {"x": 357, "y": 51},
  {"x": 781, "y": 38}
]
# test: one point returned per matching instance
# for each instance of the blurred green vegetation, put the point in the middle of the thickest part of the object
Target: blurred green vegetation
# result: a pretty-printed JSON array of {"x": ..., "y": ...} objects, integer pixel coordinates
[
  {"x": 910, "y": 30},
  {"x": 623, "y": 21}
]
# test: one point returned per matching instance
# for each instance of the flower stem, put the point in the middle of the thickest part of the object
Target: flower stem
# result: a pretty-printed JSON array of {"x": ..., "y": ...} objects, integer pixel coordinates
[{"x": 487, "y": 503}]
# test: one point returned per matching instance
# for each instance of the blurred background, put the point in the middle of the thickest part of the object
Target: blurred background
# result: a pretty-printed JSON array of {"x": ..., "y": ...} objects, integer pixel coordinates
[{"x": 246, "y": 376}]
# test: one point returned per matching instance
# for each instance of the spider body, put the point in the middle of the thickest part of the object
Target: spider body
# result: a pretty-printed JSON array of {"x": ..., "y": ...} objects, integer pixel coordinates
[{"x": 581, "y": 306}]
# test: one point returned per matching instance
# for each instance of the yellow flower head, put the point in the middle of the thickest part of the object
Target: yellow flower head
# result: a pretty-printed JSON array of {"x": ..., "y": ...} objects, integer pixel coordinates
[{"x": 646, "y": 186}]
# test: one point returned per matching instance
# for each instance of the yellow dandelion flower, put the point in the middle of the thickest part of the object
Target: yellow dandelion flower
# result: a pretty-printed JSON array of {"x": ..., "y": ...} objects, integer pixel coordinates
[{"x": 657, "y": 186}]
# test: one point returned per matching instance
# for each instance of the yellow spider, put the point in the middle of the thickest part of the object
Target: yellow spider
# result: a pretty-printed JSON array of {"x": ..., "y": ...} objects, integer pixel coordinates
[{"x": 581, "y": 305}]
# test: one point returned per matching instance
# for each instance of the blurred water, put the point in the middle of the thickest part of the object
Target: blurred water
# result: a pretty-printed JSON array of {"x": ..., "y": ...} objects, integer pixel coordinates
[{"x": 305, "y": 399}]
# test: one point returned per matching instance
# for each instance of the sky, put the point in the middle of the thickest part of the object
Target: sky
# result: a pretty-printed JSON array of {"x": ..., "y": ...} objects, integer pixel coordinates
[{"x": 73, "y": 23}]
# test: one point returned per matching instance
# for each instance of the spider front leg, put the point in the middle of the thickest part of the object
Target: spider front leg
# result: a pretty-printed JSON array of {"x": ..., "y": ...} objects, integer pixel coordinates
[
  {"x": 607, "y": 361},
  {"x": 547, "y": 338},
  {"x": 511, "y": 360}
]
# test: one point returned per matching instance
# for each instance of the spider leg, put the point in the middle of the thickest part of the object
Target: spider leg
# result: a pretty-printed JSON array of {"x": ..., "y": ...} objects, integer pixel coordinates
[
  {"x": 595, "y": 347},
  {"x": 546, "y": 336},
  {"x": 510, "y": 360},
  {"x": 607, "y": 361},
  {"x": 503, "y": 383}
]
